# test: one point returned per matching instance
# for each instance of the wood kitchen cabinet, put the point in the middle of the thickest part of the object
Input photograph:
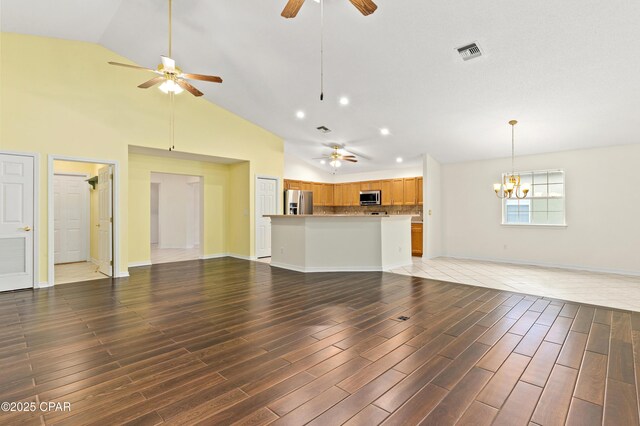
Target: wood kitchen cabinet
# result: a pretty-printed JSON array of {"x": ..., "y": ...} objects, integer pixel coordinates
[
  {"x": 416, "y": 239},
  {"x": 328, "y": 194},
  {"x": 337, "y": 195},
  {"x": 410, "y": 192},
  {"x": 317, "y": 194},
  {"x": 387, "y": 192},
  {"x": 397, "y": 192},
  {"x": 292, "y": 184}
]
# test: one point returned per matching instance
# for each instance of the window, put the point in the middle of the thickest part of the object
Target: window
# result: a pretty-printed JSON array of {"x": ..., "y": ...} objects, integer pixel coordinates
[{"x": 543, "y": 206}]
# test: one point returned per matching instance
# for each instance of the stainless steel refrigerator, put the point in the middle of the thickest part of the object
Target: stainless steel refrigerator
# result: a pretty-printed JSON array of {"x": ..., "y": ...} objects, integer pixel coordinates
[{"x": 298, "y": 202}]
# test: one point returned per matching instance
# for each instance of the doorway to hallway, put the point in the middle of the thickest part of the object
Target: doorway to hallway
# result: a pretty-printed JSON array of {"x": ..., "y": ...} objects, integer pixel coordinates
[{"x": 176, "y": 217}]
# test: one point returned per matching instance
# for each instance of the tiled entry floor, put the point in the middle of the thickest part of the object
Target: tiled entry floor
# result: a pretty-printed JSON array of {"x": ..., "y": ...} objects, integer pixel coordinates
[{"x": 612, "y": 290}]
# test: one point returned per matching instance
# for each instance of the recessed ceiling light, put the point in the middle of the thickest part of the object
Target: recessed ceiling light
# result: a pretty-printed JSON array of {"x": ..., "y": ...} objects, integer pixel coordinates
[
  {"x": 322, "y": 162},
  {"x": 344, "y": 100},
  {"x": 384, "y": 131},
  {"x": 300, "y": 114},
  {"x": 399, "y": 160}
]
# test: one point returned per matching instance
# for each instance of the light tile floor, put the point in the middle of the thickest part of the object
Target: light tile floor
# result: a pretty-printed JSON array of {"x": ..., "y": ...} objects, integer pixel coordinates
[
  {"x": 162, "y": 255},
  {"x": 612, "y": 290},
  {"x": 76, "y": 272}
]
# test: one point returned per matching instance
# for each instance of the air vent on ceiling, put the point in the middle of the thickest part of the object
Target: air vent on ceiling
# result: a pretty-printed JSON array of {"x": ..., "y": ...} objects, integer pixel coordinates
[
  {"x": 324, "y": 129},
  {"x": 469, "y": 51}
]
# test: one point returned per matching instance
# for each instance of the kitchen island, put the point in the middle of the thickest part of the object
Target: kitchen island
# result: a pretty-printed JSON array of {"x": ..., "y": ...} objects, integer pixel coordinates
[{"x": 332, "y": 243}]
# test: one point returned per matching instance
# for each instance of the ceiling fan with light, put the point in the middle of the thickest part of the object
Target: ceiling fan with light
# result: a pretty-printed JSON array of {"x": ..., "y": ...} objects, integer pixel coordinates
[
  {"x": 338, "y": 155},
  {"x": 170, "y": 77},
  {"x": 366, "y": 7}
]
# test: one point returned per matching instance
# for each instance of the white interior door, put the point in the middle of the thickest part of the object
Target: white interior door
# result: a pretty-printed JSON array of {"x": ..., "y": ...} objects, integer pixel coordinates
[
  {"x": 266, "y": 203},
  {"x": 71, "y": 218},
  {"x": 105, "y": 217},
  {"x": 16, "y": 222}
]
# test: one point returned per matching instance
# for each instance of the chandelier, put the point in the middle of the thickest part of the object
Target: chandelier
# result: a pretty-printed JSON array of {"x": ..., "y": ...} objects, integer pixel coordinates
[{"x": 510, "y": 184}]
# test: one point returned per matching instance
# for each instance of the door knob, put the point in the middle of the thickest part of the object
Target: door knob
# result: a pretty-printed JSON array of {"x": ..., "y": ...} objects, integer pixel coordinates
[{"x": 26, "y": 228}]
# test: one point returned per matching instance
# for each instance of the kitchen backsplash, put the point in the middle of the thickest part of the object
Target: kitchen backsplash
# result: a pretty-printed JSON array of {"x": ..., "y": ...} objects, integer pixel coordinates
[{"x": 391, "y": 210}]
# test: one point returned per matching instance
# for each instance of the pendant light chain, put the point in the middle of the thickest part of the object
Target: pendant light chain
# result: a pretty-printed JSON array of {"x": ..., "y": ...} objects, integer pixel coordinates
[{"x": 321, "y": 50}]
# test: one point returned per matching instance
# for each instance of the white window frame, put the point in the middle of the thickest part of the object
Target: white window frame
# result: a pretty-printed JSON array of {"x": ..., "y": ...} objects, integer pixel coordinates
[{"x": 530, "y": 197}]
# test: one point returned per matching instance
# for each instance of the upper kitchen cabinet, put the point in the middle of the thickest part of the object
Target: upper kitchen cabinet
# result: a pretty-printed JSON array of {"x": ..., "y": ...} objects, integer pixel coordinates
[
  {"x": 327, "y": 189},
  {"x": 337, "y": 195},
  {"x": 387, "y": 192},
  {"x": 292, "y": 184},
  {"x": 397, "y": 192},
  {"x": 410, "y": 194}
]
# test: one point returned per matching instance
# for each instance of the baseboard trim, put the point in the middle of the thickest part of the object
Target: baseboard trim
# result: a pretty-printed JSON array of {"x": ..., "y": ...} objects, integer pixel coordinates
[
  {"x": 123, "y": 274},
  {"x": 213, "y": 256},
  {"x": 241, "y": 256},
  {"x": 138, "y": 264},
  {"x": 43, "y": 284},
  {"x": 95, "y": 261},
  {"x": 550, "y": 265}
]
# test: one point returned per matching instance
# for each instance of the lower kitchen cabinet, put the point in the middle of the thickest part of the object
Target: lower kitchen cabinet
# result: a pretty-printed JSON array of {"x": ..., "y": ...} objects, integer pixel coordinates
[{"x": 416, "y": 239}]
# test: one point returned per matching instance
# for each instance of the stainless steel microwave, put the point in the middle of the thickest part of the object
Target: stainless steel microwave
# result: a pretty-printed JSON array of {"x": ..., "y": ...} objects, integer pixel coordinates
[{"x": 370, "y": 198}]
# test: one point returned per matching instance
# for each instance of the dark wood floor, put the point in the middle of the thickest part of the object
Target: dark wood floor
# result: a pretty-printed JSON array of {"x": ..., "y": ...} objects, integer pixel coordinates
[{"x": 224, "y": 341}]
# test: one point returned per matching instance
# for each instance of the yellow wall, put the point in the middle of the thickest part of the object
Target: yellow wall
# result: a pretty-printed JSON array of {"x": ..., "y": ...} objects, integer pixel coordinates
[
  {"x": 91, "y": 170},
  {"x": 61, "y": 97},
  {"x": 216, "y": 199}
]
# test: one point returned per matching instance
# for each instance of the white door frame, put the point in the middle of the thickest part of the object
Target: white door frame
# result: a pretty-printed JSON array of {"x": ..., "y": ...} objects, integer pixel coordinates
[
  {"x": 86, "y": 213},
  {"x": 255, "y": 204},
  {"x": 116, "y": 212},
  {"x": 36, "y": 211}
]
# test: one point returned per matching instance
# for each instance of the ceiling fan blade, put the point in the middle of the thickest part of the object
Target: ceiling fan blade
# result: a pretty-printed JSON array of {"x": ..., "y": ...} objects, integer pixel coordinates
[
  {"x": 350, "y": 160},
  {"x": 292, "y": 8},
  {"x": 151, "y": 82},
  {"x": 131, "y": 66},
  {"x": 210, "y": 78},
  {"x": 168, "y": 63},
  {"x": 188, "y": 87},
  {"x": 348, "y": 156},
  {"x": 320, "y": 158},
  {"x": 366, "y": 7}
]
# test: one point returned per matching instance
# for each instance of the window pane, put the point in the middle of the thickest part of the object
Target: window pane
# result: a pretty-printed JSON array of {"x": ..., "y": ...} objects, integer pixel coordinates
[
  {"x": 556, "y": 218},
  {"x": 556, "y": 190},
  {"x": 556, "y": 205},
  {"x": 556, "y": 177},
  {"x": 540, "y": 190},
  {"x": 526, "y": 178},
  {"x": 540, "y": 217},
  {"x": 523, "y": 217},
  {"x": 540, "y": 205},
  {"x": 540, "y": 178}
]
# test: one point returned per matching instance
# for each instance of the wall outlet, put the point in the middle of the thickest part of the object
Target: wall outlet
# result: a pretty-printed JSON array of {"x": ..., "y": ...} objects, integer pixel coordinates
[
  {"x": 281, "y": 250},
  {"x": 429, "y": 212},
  {"x": 505, "y": 247}
]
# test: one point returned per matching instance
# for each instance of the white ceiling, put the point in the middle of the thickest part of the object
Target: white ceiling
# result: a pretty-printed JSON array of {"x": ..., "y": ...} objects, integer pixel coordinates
[{"x": 567, "y": 70}]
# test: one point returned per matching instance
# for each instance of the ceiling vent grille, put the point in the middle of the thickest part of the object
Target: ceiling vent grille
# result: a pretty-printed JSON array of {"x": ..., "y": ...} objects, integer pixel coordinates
[
  {"x": 469, "y": 51},
  {"x": 324, "y": 129}
]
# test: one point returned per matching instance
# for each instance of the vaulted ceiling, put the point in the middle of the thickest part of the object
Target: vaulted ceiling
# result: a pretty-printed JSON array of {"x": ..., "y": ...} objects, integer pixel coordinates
[{"x": 567, "y": 70}]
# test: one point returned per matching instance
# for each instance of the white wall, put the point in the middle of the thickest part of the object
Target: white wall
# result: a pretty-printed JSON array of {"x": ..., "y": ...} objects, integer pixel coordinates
[
  {"x": 602, "y": 211},
  {"x": 432, "y": 214},
  {"x": 176, "y": 205},
  {"x": 297, "y": 169}
]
